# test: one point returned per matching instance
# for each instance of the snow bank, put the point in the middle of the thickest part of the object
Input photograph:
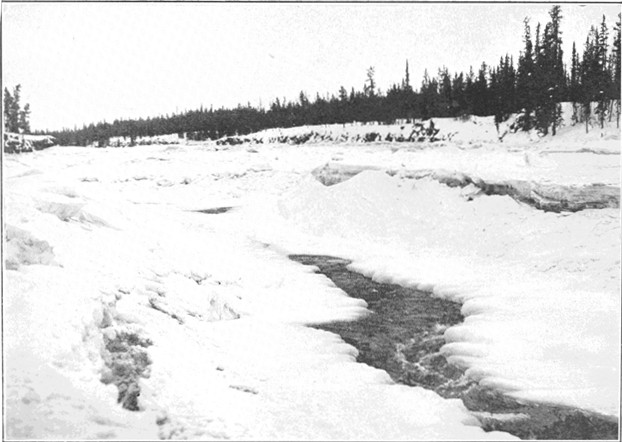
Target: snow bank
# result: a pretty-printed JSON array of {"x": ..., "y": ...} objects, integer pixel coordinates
[
  {"x": 545, "y": 196},
  {"x": 17, "y": 143},
  {"x": 470, "y": 130},
  {"x": 147, "y": 140},
  {"x": 420, "y": 131}
]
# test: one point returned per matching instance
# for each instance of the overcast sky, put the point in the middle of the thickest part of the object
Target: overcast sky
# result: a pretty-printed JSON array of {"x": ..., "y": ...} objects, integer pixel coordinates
[{"x": 85, "y": 62}]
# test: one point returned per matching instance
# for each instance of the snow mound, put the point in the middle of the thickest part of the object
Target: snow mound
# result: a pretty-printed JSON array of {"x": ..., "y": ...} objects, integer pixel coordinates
[
  {"x": 331, "y": 173},
  {"x": 548, "y": 197},
  {"x": 69, "y": 208},
  {"x": 22, "y": 248}
]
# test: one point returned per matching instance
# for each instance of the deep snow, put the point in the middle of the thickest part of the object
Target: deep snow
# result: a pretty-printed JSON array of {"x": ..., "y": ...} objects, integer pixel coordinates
[{"x": 107, "y": 243}]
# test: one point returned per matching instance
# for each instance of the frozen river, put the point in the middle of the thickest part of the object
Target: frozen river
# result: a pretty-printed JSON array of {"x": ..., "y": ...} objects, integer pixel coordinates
[{"x": 163, "y": 270}]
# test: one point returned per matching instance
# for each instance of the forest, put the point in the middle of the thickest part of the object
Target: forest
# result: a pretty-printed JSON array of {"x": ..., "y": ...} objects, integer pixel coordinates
[{"x": 532, "y": 85}]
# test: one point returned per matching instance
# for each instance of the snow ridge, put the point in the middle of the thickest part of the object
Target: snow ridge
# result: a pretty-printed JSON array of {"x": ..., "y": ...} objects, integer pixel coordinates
[{"x": 543, "y": 196}]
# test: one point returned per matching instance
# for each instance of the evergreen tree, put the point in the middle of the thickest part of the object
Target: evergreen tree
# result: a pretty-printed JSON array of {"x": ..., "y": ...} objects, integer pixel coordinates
[
  {"x": 525, "y": 79},
  {"x": 574, "y": 86},
  {"x": 370, "y": 83},
  {"x": 429, "y": 97},
  {"x": 615, "y": 63},
  {"x": 469, "y": 91},
  {"x": 550, "y": 75},
  {"x": 406, "y": 84},
  {"x": 15, "y": 118},
  {"x": 496, "y": 96},
  {"x": 343, "y": 94},
  {"x": 502, "y": 89},
  {"x": 506, "y": 86},
  {"x": 589, "y": 75},
  {"x": 511, "y": 86},
  {"x": 24, "y": 115},
  {"x": 481, "y": 105},
  {"x": 7, "y": 106},
  {"x": 602, "y": 77},
  {"x": 555, "y": 67},
  {"x": 14, "y": 110},
  {"x": 457, "y": 92},
  {"x": 445, "y": 105},
  {"x": 542, "y": 82}
]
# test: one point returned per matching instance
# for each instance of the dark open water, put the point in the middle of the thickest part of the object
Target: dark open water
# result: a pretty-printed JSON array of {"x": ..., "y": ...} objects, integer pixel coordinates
[{"x": 403, "y": 336}]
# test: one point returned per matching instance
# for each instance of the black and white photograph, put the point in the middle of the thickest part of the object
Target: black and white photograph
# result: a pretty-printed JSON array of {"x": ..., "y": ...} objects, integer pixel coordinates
[{"x": 311, "y": 221}]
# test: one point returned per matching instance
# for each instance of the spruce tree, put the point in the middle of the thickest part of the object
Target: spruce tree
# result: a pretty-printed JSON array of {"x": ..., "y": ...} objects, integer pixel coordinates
[
  {"x": 506, "y": 87},
  {"x": 601, "y": 74},
  {"x": 589, "y": 75},
  {"x": 429, "y": 102},
  {"x": 15, "y": 118},
  {"x": 496, "y": 95},
  {"x": 469, "y": 92},
  {"x": 481, "y": 104},
  {"x": 457, "y": 91},
  {"x": 14, "y": 110},
  {"x": 615, "y": 90},
  {"x": 542, "y": 84},
  {"x": 525, "y": 79},
  {"x": 574, "y": 87},
  {"x": 555, "y": 67},
  {"x": 24, "y": 115},
  {"x": 7, "y": 106},
  {"x": 445, "y": 95},
  {"x": 406, "y": 85},
  {"x": 370, "y": 83}
]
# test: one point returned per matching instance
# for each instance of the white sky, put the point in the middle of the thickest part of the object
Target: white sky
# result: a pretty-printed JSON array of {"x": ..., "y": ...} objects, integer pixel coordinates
[{"x": 86, "y": 62}]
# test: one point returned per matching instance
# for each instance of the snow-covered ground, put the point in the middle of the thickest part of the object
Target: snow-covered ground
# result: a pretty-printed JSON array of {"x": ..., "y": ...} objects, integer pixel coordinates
[{"x": 113, "y": 280}]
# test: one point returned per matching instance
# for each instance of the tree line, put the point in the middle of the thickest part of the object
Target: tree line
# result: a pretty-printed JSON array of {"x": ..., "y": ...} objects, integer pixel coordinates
[{"x": 534, "y": 85}]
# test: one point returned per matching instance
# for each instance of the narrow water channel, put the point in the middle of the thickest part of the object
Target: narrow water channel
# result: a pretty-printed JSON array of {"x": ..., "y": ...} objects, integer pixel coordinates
[{"x": 403, "y": 336}]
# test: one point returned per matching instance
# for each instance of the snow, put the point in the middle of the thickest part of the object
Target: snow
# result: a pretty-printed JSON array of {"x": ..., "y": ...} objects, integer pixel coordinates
[
  {"x": 146, "y": 140},
  {"x": 103, "y": 244}
]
